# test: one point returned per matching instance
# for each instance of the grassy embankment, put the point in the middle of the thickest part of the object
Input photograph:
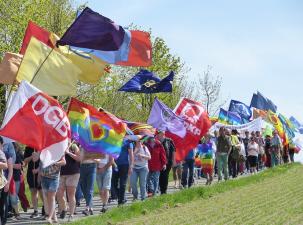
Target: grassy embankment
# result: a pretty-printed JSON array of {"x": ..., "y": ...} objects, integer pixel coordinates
[{"x": 273, "y": 196}]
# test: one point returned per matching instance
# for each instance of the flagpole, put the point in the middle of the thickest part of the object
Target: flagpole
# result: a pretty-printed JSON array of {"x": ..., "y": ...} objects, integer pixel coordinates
[{"x": 41, "y": 66}]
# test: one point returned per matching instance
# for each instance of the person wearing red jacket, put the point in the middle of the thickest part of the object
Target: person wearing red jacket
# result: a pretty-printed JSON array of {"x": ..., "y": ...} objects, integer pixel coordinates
[{"x": 155, "y": 164}]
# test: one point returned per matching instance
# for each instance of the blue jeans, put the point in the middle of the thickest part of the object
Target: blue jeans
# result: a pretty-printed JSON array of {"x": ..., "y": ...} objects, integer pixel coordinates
[
  {"x": 188, "y": 173},
  {"x": 79, "y": 194},
  {"x": 14, "y": 198},
  {"x": 274, "y": 159},
  {"x": 222, "y": 160},
  {"x": 87, "y": 179},
  {"x": 142, "y": 175},
  {"x": 119, "y": 180},
  {"x": 153, "y": 182}
]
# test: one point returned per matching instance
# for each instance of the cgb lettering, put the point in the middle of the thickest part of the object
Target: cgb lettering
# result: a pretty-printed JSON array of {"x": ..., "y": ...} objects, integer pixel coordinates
[{"x": 52, "y": 115}]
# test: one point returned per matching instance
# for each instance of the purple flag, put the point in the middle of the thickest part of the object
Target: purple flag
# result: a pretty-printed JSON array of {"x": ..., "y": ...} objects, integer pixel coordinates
[
  {"x": 94, "y": 31},
  {"x": 164, "y": 119}
]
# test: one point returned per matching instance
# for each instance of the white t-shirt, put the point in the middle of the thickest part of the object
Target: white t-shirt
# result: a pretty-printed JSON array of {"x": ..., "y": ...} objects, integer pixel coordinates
[
  {"x": 253, "y": 149},
  {"x": 103, "y": 161},
  {"x": 140, "y": 162}
]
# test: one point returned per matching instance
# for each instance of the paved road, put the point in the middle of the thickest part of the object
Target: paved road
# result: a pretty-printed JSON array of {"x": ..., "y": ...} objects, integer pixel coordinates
[{"x": 25, "y": 217}]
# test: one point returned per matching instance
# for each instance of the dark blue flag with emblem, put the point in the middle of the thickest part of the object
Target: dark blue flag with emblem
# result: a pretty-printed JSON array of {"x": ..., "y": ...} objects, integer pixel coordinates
[
  {"x": 147, "y": 82},
  {"x": 260, "y": 102},
  {"x": 242, "y": 109}
]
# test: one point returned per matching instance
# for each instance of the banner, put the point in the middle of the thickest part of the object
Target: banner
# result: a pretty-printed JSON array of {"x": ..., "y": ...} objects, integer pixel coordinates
[
  {"x": 196, "y": 122},
  {"x": 255, "y": 125},
  {"x": 37, "y": 120}
]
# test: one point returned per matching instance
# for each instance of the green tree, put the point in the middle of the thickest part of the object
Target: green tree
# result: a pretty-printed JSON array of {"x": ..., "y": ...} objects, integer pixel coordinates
[
  {"x": 54, "y": 15},
  {"x": 135, "y": 106}
]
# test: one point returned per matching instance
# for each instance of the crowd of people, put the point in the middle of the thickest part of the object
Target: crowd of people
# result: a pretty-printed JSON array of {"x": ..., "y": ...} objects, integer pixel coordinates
[{"x": 145, "y": 163}]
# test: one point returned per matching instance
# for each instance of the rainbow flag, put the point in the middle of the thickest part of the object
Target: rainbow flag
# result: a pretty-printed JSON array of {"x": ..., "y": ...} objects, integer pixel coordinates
[
  {"x": 277, "y": 124},
  {"x": 96, "y": 130},
  {"x": 206, "y": 154}
]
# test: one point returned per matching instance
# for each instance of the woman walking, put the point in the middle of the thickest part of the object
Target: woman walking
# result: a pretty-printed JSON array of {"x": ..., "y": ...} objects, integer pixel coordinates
[
  {"x": 253, "y": 151},
  {"x": 69, "y": 178},
  {"x": 140, "y": 170}
]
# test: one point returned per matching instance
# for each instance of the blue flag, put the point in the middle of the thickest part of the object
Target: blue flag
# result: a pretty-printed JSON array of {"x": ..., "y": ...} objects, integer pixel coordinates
[
  {"x": 295, "y": 122},
  {"x": 93, "y": 31},
  {"x": 110, "y": 56},
  {"x": 260, "y": 102},
  {"x": 238, "y": 107},
  {"x": 230, "y": 118},
  {"x": 164, "y": 119},
  {"x": 147, "y": 82}
]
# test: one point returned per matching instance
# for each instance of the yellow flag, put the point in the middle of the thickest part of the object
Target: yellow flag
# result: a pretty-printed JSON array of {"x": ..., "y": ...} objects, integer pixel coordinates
[
  {"x": 58, "y": 76},
  {"x": 275, "y": 121},
  {"x": 91, "y": 67}
]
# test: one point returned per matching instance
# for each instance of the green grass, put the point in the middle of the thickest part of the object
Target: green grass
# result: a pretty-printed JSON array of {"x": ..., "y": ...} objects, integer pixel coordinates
[{"x": 152, "y": 208}]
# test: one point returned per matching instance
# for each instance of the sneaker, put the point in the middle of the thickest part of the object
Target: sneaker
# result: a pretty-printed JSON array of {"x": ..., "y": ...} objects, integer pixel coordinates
[
  {"x": 43, "y": 211},
  {"x": 34, "y": 215},
  {"x": 149, "y": 194},
  {"x": 62, "y": 214},
  {"x": 18, "y": 217},
  {"x": 85, "y": 212},
  {"x": 91, "y": 212},
  {"x": 103, "y": 210},
  {"x": 77, "y": 204},
  {"x": 70, "y": 218}
]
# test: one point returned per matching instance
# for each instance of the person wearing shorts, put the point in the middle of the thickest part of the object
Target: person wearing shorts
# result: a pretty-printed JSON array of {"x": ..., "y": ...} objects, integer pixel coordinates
[
  {"x": 103, "y": 178},
  {"x": 50, "y": 184},
  {"x": 69, "y": 179},
  {"x": 253, "y": 151}
]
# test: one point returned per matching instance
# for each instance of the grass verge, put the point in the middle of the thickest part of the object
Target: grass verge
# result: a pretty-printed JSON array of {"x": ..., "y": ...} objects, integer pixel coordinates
[{"x": 168, "y": 201}]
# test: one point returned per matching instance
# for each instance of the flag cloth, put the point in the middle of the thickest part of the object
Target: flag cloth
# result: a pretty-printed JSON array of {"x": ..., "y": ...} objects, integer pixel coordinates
[
  {"x": 94, "y": 31},
  {"x": 111, "y": 56},
  {"x": 33, "y": 30},
  {"x": 140, "y": 50},
  {"x": 57, "y": 75},
  {"x": 9, "y": 67},
  {"x": 197, "y": 124},
  {"x": 230, "y": 118},
  {"x": 295, "y": 122},
  {"x": 242, "y": 109},
  {"x": 96, "y": 131},
  {"x": 287, "y": 126},
  {"x": 164, "y": 119},
  {"x": 141, "y": 128},
  {"x": 37, "y": 120},
  {"x": 206, "y": 154},
  {"x": 259, "y": 113},
  {"x": 147, "y": 82},
  {"x": 275, "y": 121},
  {"x": 260, "y": 102},
  {"x": 91, "y": 67}
]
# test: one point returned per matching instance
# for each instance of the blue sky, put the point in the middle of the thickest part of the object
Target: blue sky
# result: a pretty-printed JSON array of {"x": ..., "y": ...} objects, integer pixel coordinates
[{"x": 253, "y": 45}]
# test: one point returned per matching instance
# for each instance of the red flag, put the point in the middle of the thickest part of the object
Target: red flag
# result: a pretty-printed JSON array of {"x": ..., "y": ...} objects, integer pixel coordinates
[
  {"x": 33, "y": 30},
  {"x": 140, "y": 52},
  {"x": 37, "y": 120},
  {"x": 197, "y": 124}
]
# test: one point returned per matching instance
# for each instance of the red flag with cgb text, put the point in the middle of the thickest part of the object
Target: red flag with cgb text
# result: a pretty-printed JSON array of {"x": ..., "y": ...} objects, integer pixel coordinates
[
  {"x": 37, "y": 120},
  {"x": 197, "y": 125}
]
